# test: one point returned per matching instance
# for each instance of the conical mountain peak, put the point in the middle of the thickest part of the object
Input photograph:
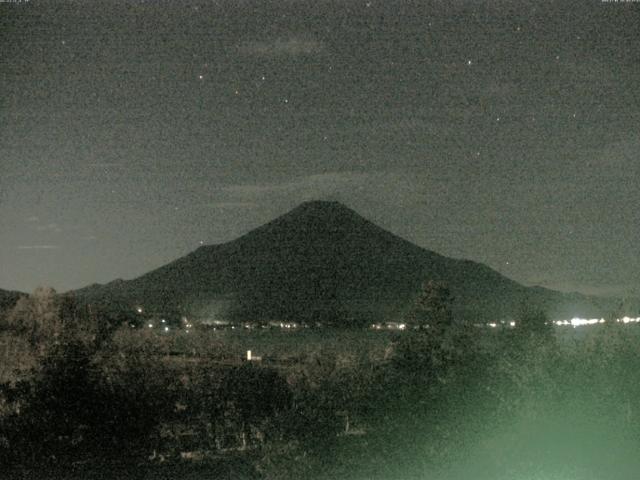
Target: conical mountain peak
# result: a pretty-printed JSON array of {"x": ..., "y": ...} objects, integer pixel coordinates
[
  {"x": 324, "y": 209},
  {"x": 322, "y": 203},
  {"x": 312, "y": 221}
]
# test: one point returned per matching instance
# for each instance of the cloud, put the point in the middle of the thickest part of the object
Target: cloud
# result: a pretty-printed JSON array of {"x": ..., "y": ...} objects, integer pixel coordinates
[
  {"x": 37, "y": 247},
  {"x": 230, "y": 204},
  {"x": 621, "y": 156},
  {"x": 49, "y": 227},
  {"x": 291, "y": 47},
  {"x": 615, "y": 164},
  {"x": 311, "y": 186},
  {"x": 391, "y": 188},
  {"x": 104, "y": 165}
]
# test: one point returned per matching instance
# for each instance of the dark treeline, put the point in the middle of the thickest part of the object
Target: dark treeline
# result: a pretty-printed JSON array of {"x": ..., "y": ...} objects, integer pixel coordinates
[{"x": 89, "y": 396}]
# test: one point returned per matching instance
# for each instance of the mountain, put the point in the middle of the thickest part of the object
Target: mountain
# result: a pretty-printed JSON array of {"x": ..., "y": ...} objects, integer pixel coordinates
[{"x": 324, "y": 262}]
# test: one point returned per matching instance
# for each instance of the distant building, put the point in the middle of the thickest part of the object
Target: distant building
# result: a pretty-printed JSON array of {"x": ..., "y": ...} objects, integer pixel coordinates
[{"x": 253, "y": 358}]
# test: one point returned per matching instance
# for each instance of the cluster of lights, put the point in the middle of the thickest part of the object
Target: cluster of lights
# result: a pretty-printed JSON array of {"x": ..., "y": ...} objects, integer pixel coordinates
[
  {"x": 288, "y": 325},
  {"x": 502, "y": 324},
  {"x": 579, "y": 322},
  {"x": 629, "y": 320},
  {"x": 163, "y": 322},
  {"x": 166, "y": 328},
  {"x": 574, "y": 322},
  {"x": 389, "y": 326},
  {"x": 187, "y": 325}
]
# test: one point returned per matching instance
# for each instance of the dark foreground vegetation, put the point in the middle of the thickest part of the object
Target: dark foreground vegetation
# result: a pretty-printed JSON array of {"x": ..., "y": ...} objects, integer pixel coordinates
[{"x": 84, "y": 395}]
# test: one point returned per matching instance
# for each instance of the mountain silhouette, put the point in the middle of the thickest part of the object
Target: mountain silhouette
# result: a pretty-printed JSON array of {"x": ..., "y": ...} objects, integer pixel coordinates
[{"x": 323, "y": 262}]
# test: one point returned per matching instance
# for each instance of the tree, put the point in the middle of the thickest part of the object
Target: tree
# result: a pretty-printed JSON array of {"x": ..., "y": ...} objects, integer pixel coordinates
[
  {"x": 437, "y": 343},
  {"x": 71, "y": 406},
  {"x": 433, "y": 307},
  {"x": 533, "y": 321},
  {"x": 46, "y": 319},
  {"x": 340, "y": 383},
  {"x": 36, "y": 318}
]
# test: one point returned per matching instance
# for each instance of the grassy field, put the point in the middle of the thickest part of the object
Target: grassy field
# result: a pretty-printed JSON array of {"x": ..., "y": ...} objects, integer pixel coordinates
[
  {"x": 278, "y": 343},
  {"x": 272, "y": 345}
]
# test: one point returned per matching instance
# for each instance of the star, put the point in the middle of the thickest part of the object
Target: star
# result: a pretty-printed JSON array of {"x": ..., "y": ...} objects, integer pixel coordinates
[
  {"x": 200, "y": 77},
  {"x": 469, "y": 62}
]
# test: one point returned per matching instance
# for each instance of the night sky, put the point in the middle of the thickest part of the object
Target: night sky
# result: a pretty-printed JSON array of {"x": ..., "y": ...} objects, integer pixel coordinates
[{"x": 506, "y": 132}]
